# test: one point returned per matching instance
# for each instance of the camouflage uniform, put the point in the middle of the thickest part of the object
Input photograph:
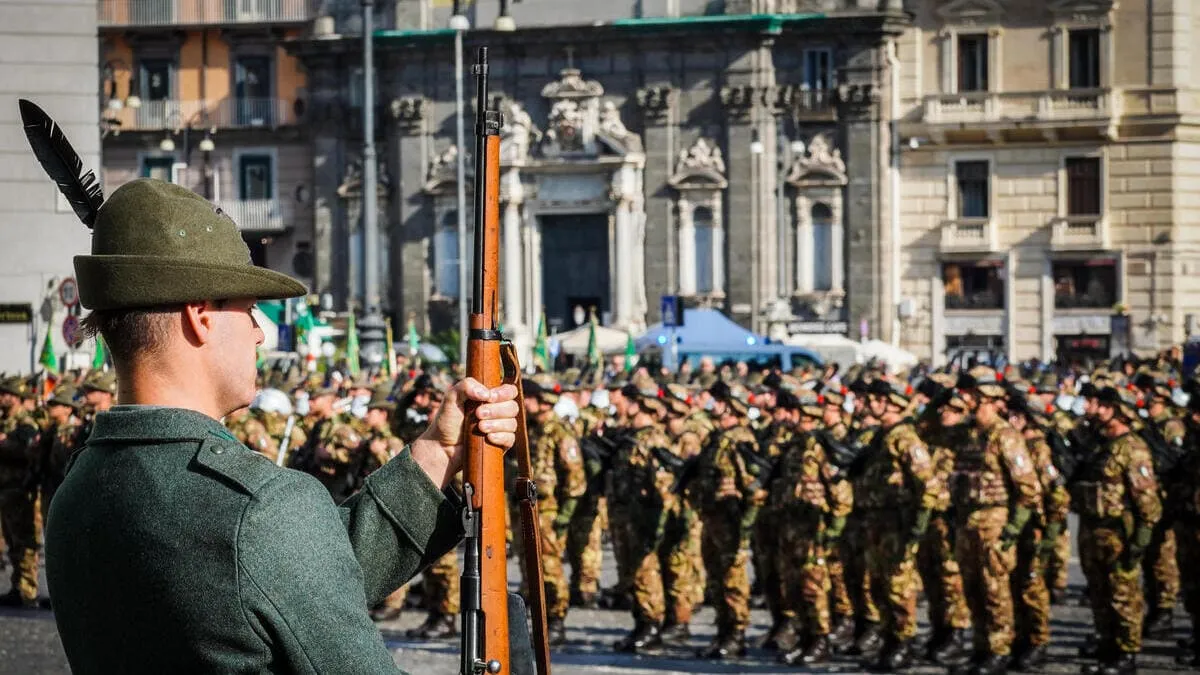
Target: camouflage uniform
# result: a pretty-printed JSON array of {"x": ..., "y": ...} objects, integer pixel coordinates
[
  {"x": 1117, "y": 495},
  {"x": 19, "y": 435},
  {"x": 251, "y": 432},
  {"x": 897, "y": 482},
  {"x": 839, "y": 593},
  {"x": 940, "y": 573},
  {"x": 994, "y": 481},
  {"x": 335, "y": 444},
  {"x": 1029, "y": 589},
  {"x": 683, "y": 568},
  {"x": 652, "y": 502},
  {"x": 1060, "y": 555},
  {"x": 1186, "y": 498},
  {"x": 1161, "y": 566},
  {"x": 768, "y": 547},
  {"x": 558, "y": 471},
  {"x": 584, "y": 534},
  {"x": 810, "y": 495},
  {"x": 728, "y": 517},
  {"x": 857, "y": 570}
]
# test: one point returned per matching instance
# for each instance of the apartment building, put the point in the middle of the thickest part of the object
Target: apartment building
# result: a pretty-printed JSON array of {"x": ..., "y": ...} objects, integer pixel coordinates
[
  {"x": 1048, "y": 165},
  {"x": 200, "y": 92}
]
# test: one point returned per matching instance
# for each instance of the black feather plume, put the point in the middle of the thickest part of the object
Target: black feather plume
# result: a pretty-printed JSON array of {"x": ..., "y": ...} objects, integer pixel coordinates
[{"x": 61, "y": 161}]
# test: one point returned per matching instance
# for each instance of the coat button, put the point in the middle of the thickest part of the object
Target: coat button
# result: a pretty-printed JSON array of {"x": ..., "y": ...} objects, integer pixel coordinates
[{"x": 218, "y": 450}]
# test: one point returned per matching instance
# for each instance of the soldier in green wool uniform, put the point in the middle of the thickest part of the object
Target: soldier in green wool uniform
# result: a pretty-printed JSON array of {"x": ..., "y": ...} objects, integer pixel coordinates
[
  {"x": 163, "y": 495},
  {"x": 1118, "y": 502}
]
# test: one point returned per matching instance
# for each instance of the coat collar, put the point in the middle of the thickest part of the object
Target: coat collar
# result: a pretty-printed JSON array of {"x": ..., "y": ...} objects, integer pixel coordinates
[{"x": 136, "y": 423}]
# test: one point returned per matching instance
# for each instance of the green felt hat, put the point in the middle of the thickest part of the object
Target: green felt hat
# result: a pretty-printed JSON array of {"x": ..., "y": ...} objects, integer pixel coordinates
[{"x": 156, "y": 243}]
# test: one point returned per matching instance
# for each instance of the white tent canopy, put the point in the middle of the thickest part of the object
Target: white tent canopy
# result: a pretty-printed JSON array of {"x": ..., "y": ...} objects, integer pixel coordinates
[
  {"x": 844, "y": 351},
  {"x": 609, "y": 340}
]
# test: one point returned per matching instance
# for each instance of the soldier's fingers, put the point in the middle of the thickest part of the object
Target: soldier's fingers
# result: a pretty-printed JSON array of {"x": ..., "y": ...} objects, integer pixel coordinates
[
  {"x": 503, "y": 425},
  {"x": 473, "y": 389},
  {"x": 502, "y": 439},
  {"x": 497, "y": 410}
]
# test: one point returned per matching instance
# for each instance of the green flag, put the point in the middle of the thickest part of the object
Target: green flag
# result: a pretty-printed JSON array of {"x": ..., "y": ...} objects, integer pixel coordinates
[
  {"x": 541, "y": 351},
  {"x": 262, "y": 357},
  {"x": 49, "y": 359},
  {"x": 99, "y": 356},
  {"x": 630, "y": 354},
  {"x": 594, "y": 359},
  {"x": 414, "y": 340},
  {"x": 352, "y": 363}
]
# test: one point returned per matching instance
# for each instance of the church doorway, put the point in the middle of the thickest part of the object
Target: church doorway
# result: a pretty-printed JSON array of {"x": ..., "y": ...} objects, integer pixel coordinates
[{"x": 575, "y": 267}]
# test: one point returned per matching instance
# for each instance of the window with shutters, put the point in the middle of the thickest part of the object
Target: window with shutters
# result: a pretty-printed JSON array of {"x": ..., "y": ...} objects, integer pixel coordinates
[
  {"x": 1083, "y": 186},
  {"x": 973, "y": 181},
  {"x": 972, "y": 63},
  {"x": 1083, "y": 59},
  {"x": 702, "y": 220},
  {"x": 446, "y": 256}
]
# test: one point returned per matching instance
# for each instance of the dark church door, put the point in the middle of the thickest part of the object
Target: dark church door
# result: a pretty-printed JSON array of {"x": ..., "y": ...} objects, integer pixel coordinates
[{"x": 574, "y": 267}]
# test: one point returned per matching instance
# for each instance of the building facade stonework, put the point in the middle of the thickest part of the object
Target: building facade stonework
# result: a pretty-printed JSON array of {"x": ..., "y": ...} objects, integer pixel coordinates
[{"x": 735, "y": 161}]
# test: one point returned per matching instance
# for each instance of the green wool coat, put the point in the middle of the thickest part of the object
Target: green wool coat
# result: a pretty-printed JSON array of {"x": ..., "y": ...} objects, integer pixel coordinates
[{"x": 172, "y": 548}]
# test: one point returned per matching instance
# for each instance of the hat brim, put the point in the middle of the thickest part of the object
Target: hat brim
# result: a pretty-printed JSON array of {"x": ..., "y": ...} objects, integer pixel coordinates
[{"x": 132, "y": 281}]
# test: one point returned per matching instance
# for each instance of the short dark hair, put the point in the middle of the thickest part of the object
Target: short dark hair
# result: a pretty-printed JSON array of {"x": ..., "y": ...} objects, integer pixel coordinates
[{"x": 130, "y": 332}]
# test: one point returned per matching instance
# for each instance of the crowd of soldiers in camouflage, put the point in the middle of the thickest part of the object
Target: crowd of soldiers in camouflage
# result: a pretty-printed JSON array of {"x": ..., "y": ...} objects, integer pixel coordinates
[{"x": 848, "y": 493}]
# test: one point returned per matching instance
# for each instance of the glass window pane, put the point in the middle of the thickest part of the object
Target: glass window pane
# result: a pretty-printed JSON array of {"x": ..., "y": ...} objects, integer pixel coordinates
[
  {"x": 255, "y": 177},
  {"x": 1085, "y": 283},
  {"x": 1084, "y": 59},
  {"x": 973, "y": 187},
  {"x": 974, "y": 285},
  {"x": 1083, "y": 186},
  {"x": 446, "y": 256},
  {"x": 822, "y": 247}
]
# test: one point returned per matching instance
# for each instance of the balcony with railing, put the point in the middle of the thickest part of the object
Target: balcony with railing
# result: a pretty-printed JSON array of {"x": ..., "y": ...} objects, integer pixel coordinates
[
  {"x": 969, "y": 235},
  {"x": 982, "y": 107},
  {"x": 1079, "y": 233},
  {"x": 255, "y": 215},
  {"x": 149, "y": 13},
  {"x": 229, "y": 113}
]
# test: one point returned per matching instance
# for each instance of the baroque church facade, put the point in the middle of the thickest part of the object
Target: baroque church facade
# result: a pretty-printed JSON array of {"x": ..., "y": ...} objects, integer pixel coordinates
[{"x": 737, "y": 158}]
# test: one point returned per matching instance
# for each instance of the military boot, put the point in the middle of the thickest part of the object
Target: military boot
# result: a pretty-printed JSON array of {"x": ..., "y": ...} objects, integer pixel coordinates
[
  {"x": 1124, "y": 664},
  {"x": 386, "y": 613},
  {"x": 1030, "y": 659},
  {"x": 1106, "y": 655},
  {"x": 895, "y": 656},
  {"x": 556, "y": 632},
  {"x": 843, "y": 633},
  {"x": 676, "y": 634},
  {"x": 645, "y": 635},
  {"x": 725, "y": 646},
  {"x": 770, "y": 641},
  {"x": 584, "y": 599},
  {"x": 954, "y": 650},
  {"x": 818, "y": 652},
  {"x": 1158, "y": 624},
  {"x": 869, "y": 642},
  {"x": 437, "y": 626},
  {"x": 993, "y": 664}
]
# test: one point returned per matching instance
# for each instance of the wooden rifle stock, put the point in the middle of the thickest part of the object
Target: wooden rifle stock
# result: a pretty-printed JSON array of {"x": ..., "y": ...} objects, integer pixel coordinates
[{"x": 492, "y": 640}]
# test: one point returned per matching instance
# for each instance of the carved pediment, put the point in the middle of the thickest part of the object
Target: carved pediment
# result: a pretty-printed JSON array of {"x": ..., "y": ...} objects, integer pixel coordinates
[
  {"x": 821, "y": 163},
  {"x": 971, "y": 11},
  {"x": 351, "y": 185},
  {"x": 700, "y": 167},
  {"x": 571, "y": 85},
  {"x": 1081, "y": 8},
  {"x": 442, "y": 177}
]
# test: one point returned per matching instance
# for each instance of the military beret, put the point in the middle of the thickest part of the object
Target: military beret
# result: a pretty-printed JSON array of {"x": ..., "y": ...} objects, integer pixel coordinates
[{"x": 156, "y": 243}]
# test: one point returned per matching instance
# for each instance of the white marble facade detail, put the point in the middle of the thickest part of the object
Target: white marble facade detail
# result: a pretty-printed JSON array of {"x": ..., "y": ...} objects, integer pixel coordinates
[
  {"x": 700, "y": 182},
  {"x": 818, "y": 178}
]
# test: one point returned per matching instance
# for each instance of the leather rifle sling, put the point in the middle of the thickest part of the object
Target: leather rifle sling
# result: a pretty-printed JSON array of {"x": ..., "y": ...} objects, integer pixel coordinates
[{"x": 525, "y": 492}]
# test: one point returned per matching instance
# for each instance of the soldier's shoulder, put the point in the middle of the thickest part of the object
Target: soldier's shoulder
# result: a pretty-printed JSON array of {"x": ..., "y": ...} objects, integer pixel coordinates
[{"x": 235, "y": 463}]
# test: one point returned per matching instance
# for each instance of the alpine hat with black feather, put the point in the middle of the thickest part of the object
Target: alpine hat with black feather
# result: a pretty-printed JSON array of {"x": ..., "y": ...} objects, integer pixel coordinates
[{"x": 153, "y": 243}]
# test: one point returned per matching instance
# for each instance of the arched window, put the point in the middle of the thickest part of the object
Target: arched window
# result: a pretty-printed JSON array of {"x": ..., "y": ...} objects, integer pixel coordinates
[
  {"x": 822, "y": 247},
  {"x": 702, "y": 219},
  {"x": 446, "y": 255}
]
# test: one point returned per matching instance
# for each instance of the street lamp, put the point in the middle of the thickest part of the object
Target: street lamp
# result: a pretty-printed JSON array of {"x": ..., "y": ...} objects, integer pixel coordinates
[
  {"x": 372, "y": 329},
  {"x": 459, "y": 24},
  {"x": 756, "y": 151}
]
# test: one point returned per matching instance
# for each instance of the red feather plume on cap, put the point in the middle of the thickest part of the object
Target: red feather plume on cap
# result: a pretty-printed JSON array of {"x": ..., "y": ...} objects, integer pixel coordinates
[
  {"x": 557, "y": 388},
  {"x": 1032, "y": 390},
  {"x": 999, "y": 377},
  {"x": 688, "y": 400},
  {"x": 660, "y": 393},
  {"x": 1049, "y": 408},
  {"x": 908, "y": 390},
  {"x": 1171, "y": 383},
  {"x": 820, "y": 399},
  {"x": 844, "y": 390}
]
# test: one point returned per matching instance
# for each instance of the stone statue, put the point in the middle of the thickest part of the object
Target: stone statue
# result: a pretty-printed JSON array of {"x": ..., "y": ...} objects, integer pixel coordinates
[
  {"x": 822, "y": 154},
  {"x": 518, "y": 134},
  {"x": 566, "y": 126},
  {"x": 703, "y": 155}
]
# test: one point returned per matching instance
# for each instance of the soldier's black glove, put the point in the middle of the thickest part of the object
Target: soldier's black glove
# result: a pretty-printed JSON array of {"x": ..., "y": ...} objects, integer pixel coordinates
[
  {"x": 1136, "y": 548},
  {"x": 1012, "y": 531}
]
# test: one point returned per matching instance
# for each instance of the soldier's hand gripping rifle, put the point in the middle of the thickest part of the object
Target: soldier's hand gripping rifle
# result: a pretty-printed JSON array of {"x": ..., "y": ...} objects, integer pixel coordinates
[{"x": 495, "y": 638}]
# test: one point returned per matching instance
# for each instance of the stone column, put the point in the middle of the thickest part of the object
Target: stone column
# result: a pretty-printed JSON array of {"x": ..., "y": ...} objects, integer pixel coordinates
[
  {"x": 687, "y": 247},
  {"x": 658, "y": 104},
  {"x": 513, "y": 195},
  {"x": 836, "y": 235},
  {"x": 411, "y": 211},
  {"x": 532, "y": 237},
  {"x": 624, "y": 230},
  {"x": 804, "y": 245},
  {"x": 718, "y": 247},
  {"x": 325, "y": 119}
]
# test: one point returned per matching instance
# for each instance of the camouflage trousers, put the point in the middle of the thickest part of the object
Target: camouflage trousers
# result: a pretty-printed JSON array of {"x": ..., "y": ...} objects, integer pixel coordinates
[
  {"x": 856, "y": 570},
  {"x": 623, "y": 554},
  {"x": 1031, "y": 597},
  {"x": 1056, "y": 565},
  {"x": 839, "y": 594},
  {"x": 1161, "y": 569},
  {"x": 986, "y": 570},
  {"x": 584, "y": 536},
  {"x": 727, "y": 566},
  {"x": 942, "y": 578},
  {"x": 803, "y": 575},
  {"x": 894, "y": 579},
  {"x": 396, "y": 598},
  {"x": 1187, "y": 536},
  {"x": 18, "y": 513},
  {"x": 682, "y": 567},
  {"x": 768, "y": 551},
  {"x": 441, "y": 585},
  {"x": 1115, "y": 592}
]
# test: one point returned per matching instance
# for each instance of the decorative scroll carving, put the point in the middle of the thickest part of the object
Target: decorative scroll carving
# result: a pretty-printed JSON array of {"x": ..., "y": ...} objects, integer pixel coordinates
[
  {"x": 821, "y": 163},
  {"x": 571, "y": 85},
  {"x": 442, "y": 177},
  {"x": 351, "y": 186},
  {"x": 969, "y": 12},
  {"x": 700, "y": 166}
]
